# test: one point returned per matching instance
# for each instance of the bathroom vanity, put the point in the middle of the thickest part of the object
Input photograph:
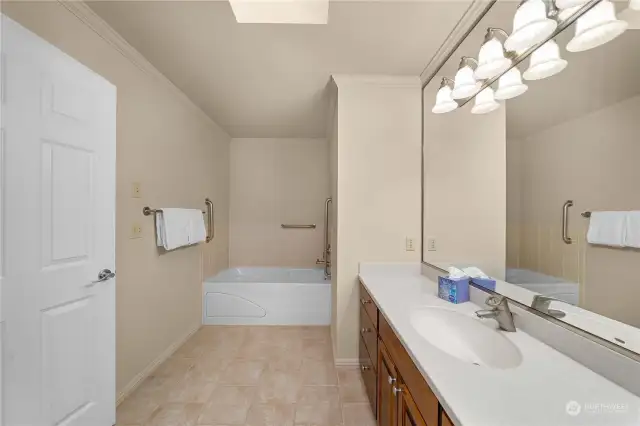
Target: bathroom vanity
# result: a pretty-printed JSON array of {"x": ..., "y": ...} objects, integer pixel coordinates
[
  {"x": 397, "y": 392},
  {"x": 428, "y": 362}
]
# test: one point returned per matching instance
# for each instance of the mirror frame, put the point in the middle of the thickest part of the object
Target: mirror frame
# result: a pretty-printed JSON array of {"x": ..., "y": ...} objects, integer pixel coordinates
[{"x": 562, "y": 26}]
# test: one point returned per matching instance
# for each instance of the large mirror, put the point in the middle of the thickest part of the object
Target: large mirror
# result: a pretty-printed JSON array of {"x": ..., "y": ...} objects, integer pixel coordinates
[{"x": 542, "y": 192}]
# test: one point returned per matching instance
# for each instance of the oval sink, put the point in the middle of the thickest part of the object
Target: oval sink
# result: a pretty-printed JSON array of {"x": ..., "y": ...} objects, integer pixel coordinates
[{"x": 466, "y": 338}]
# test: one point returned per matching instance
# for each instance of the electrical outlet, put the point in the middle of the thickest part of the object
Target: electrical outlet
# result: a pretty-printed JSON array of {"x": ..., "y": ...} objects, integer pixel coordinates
[
  {"x": 431, "y": 244},
  {"x": 136, "y": 231},
  {"x": 136, "y": 190},
  {"x": 410, "y": 244}
]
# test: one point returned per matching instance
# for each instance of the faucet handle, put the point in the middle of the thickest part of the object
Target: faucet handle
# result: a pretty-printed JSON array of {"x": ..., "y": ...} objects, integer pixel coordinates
[{"x": 494, "y": 301}]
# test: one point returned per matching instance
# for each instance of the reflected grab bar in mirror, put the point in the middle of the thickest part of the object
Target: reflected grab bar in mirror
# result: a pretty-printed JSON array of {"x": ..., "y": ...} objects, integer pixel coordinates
[
  {"x": 285, "y": 226},
  {"x": 565, "y": 222}
]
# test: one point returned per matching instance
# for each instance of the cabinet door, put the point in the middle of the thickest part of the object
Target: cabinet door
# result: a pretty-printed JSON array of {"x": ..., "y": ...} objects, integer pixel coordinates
[
  {"x": 386, "y": 383},
  {"x": 408, "y": 414}
]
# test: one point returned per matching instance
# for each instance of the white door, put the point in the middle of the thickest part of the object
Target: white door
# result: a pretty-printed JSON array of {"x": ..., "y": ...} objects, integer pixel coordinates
[{"x": 58, "y": 196}]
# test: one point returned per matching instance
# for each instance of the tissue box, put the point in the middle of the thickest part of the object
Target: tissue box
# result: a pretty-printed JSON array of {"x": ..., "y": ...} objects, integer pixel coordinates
[
  {"x": 487, "y": 283},
  {"x": 454, "y": 290}
]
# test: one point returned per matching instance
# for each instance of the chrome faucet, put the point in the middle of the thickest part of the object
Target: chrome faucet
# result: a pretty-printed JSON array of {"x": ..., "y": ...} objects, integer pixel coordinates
[
  {"x": 541, "y": 303},
  {"x": 499, "y": 311}
]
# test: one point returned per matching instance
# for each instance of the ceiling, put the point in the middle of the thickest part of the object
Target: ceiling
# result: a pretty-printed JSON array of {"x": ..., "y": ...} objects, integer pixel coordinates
[{"x": 266, "y": 80}]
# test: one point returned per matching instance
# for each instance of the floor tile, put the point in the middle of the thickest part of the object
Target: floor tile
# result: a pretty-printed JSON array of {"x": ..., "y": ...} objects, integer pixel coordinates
[
  {"x": 271, "y": 415},
  {"x": 176, "y": 415},
  {"x": 351, "y": 386},
  {"x": 242, "y": 373},
  {"x": 279, "y": 387},
  {"x": 175, "y": 368},
  {"x": 228, "y": 405},
  {"x": 318, "y": 406},
  {"x": 358, "y": 415},
  {"x": 318, "y": 373},
  {"x": 192, "y": 389},
  {"x": 318, "y": 350}
]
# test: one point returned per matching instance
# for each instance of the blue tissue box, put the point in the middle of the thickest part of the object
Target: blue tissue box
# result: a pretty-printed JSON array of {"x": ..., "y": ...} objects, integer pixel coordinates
[
  {"x": 454, "y": 290},
  {"x": 487, "y": 283}
]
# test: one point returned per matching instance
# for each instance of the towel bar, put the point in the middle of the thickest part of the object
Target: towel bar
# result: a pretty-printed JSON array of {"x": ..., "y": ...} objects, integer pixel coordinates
[{"x": 148, "y": 211}]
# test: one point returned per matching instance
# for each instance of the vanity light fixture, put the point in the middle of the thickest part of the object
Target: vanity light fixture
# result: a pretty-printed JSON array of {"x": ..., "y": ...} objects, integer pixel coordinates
[
  {"x": 565, "y": 14},
  {"x": 531, "y": 25},
  {"x": 510, "y": 85},
  {"x": 465, "y": 84},
  {"x": 444, "y": 101},
  {"x": 570, "y": 4},
  {"x": 545, "y": 62},
  {"x": 492, "y": 59},
  {"x": 597, "y": 27},
  {"x": 634, "y": 5},
  {"x": 485, "y": 102}
]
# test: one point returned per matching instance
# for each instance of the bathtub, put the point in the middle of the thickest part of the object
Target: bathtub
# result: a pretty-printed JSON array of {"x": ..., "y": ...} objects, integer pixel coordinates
[{"x": 267, "y": 296}]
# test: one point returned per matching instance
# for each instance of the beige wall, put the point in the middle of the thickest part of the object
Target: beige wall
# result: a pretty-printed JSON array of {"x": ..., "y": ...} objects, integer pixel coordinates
[
  {"x": 276, "y": 181},
  {"x": 465, "y": 187},
  {"x": 592, "y": 160},
  {"x": 180, "y": 157},
  {"x": 378, "y": 187}
]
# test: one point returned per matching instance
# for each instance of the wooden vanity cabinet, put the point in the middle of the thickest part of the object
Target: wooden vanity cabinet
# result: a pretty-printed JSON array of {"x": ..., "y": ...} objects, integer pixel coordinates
[{"x": 402, "y": 397}]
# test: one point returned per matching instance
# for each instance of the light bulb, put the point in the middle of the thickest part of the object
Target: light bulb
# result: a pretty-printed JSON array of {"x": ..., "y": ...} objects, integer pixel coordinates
[
  {"x": 444, "y": 101},
  {"x": 531, "y": 25},
  {"x": 569, "y": 4},
  {"x": 634, "y": 5},
  {"x": 596, "y": 27},
  {"x": 565, "y": 14},
  {"x": 491, "y": 60},
  {"x": 465, "y": 83},
  {"x": 545, "y": 62},
  {"x": 510, "y": 85},
  {"x": 485, "y": 102}
]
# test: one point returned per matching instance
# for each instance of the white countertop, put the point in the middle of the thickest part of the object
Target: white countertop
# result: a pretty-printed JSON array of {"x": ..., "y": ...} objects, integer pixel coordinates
[{"x": 535, "y": 393}]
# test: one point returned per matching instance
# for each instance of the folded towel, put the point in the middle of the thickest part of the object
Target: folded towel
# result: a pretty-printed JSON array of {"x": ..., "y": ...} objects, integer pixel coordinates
[
  {"x": 179, "y": 227},
  {"x": 632, "y": 232},
  {"x": 607, "y": 228}
]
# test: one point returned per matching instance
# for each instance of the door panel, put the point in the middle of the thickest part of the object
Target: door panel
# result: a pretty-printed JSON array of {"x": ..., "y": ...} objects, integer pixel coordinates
[
  {"x": 409, "y": 415},
  {"x": 58, "y": 196},
  {"x": 386, "y": 382}
]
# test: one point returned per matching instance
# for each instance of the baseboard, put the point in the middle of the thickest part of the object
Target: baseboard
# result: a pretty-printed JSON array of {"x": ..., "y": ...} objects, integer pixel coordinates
[
  {"x": 347, "y": 362},
  {"x": 137, "y": 380}
]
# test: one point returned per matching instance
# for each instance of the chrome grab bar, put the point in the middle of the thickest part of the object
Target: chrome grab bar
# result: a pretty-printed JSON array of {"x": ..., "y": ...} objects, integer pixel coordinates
[
  {"x": 326, "y": 253},
  {"x": 565, "y": 222},
  {"x": 285, "y": 226},
  {"x": 210, "y": 229}
]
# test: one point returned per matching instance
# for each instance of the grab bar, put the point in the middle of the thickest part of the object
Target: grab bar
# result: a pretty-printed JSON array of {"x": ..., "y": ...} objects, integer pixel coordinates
[
  {"x": 285, "y": 226},
  {"x": 210, "y": 228},
  {"x": 565, "y": 222}
]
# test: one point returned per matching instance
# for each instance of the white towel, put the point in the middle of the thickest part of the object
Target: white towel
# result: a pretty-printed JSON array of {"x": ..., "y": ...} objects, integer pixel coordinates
[
  {"x": 632, "y": 232},
  {"x": 607, "y": 228},
  {"x": 179, "y": 227}
]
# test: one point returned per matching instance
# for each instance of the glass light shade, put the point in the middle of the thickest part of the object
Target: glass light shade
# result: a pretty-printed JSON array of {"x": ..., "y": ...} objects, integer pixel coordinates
[
  {"x": 569, "y": 4},
  {"x": 491, "y": 60},
  {"x": 465, "y": 84},
  {"x": 634, "y": 5},
  {"x": 485, "y": 102},
  {"x": 545, "y": 62},
  {"x": 565, "y": 14},
  {"x": 597, "y": 27},
  {"x": 444, "y": 101},
  {"x": 510, "y": 85},
  {"x": 531, "y": 25}
]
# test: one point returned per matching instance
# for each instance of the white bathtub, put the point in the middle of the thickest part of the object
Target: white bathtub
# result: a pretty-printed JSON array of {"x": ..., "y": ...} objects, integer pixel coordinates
[{"x": 267, "y": 296}]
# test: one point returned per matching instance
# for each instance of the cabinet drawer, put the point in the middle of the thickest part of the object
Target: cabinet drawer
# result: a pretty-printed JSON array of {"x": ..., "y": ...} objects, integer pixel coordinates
[
  {"x": 369, "y": 375},
  {"x": 424, "y": 398},
  {"x": 368, "y": 333},
  {"x": 369, "y": 306}
]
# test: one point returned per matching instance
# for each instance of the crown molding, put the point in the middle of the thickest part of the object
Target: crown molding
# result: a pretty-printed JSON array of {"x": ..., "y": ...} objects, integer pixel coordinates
[
  {"x": 91, "y": 19},
  {"x": 476, "y": 10}
]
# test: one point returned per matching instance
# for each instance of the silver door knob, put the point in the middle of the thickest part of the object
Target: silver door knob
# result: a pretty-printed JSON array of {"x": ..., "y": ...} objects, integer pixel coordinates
[{"x": 104, "y": 275}]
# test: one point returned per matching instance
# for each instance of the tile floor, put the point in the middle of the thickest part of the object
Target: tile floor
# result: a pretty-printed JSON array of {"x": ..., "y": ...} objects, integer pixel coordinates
[{"x": 250, "y": 376}]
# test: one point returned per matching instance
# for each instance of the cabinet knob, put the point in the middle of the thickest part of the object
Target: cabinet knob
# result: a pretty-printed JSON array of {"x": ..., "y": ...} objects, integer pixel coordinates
[
  {"x": 365, "y": 301},
  {"x": 391, "y": 380},
  {"x": 365, "y": 368},
  {"x": 396, "y": 390},
  {"x": 365, "y": 330}
]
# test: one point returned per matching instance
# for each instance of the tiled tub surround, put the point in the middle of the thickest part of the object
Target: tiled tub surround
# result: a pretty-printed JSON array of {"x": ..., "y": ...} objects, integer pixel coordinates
[
  {"x": 250, "y": 376},
  {"x": 535, "y": 393}
]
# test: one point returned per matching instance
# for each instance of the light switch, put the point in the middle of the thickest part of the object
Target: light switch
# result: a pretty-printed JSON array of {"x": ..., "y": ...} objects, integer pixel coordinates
[
  {"x": 431, "y": 244},
  {"x": 410, "y": 244},
  {"x": 136, "y": 231},
  {"x": 136, "y": 190}
]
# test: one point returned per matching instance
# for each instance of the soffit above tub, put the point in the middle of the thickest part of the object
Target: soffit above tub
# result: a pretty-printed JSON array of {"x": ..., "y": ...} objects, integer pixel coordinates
[{"x": 269, "y": 80}]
